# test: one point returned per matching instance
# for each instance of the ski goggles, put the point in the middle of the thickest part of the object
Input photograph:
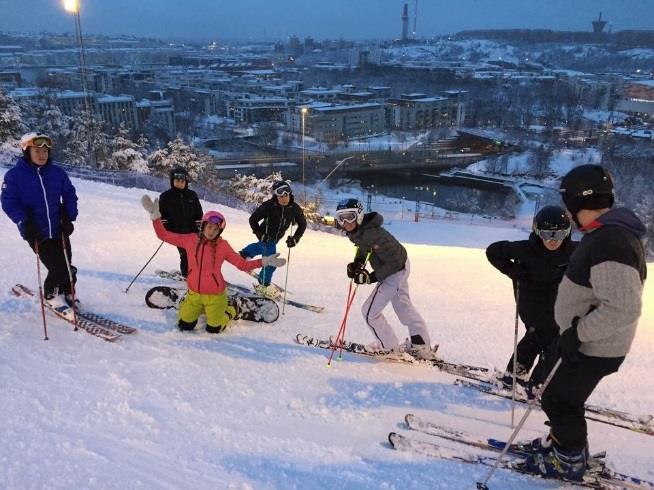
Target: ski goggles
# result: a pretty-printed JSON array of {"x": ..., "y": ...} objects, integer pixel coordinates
[
  {"x": 283, "y": 190},
  {"x": 215, "y": 219},
  {"x": 556, "y": 235},
  {"x": 346, "y": 217},
  {"x": 42, "y": 142},
  {"x": 180, "y": 176}
]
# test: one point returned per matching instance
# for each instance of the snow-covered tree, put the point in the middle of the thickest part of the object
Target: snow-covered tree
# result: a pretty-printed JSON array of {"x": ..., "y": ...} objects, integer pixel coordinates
[
  {"x": 179, "y": 154},
  {"x": 11, "y": 125},
  {"x": 11, "y": 129},
  {"x": 127, "y": 155},
  {"x": 87, "y": 145},
  {"x": 42, "y": 115},
  {"x": 252, "y": 189}
]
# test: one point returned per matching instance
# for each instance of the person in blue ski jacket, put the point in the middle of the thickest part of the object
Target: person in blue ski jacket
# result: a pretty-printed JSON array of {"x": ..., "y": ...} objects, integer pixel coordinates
[{"x": 40, "y": 199}]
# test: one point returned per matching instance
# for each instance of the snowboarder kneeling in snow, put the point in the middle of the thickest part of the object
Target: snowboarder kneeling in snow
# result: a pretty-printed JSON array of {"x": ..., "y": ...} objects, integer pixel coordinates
[
  {"x": 181, "y": 211},
  {"x": 391, "y": 269},
  {"x": 38, "y": 196},
  {"x": 536, "y": 267},
  {"x": 206, "y": 253}
]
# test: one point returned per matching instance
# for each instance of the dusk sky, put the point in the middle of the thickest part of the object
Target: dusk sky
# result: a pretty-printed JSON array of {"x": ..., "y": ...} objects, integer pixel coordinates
[{"x": 350, "y": 19}]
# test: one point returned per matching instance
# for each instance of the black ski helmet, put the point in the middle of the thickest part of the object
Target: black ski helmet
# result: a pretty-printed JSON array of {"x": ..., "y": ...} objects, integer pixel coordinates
[
  {"x": 587, "y": 187},
  {"x": 349, "y": 210},
  {"x": 552, "y": 223},
  {"x": 281, "y": 187},
  {"x": 179, "y": 173}
]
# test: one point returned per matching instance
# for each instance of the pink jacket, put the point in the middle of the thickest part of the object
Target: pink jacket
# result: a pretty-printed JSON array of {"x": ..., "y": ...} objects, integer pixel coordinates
[{"x": 205, "y": 259}]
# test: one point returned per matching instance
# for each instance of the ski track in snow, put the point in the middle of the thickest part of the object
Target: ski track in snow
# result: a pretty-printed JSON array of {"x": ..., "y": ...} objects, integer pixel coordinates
[{"x": 250, "y": 408}]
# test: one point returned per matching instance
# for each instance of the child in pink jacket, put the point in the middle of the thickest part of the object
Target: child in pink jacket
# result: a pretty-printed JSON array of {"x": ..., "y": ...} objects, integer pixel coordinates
[{"x": 206, "y": 253}]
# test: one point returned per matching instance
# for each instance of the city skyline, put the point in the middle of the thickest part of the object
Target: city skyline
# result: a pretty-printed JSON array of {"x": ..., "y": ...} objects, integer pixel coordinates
[{"x": 278, "y": 20}]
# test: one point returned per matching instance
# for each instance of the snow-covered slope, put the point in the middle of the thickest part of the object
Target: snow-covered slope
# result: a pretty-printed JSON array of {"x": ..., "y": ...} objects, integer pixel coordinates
[{"x": 250, "y": 409}]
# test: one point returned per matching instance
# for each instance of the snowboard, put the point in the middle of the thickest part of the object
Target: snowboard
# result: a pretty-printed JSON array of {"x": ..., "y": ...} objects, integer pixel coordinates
[{"x": 250, "y": 308}]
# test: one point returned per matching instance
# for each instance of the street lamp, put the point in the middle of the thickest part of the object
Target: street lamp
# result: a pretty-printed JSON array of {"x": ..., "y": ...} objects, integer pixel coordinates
[
  {"x": 72, "y": 6},
  {"x": 304, "y": 112}
]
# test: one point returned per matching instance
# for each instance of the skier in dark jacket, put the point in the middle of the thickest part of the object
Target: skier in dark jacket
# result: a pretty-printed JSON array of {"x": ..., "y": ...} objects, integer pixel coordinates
[
  {"x": 269, "y": 223},
  {"x": 390, "y": 270},
  {"x": 38, "y": 196},
  {"x": 597, "y": 309},
  {"x": 536, "y": 267},
  {"x": 181, "y": 211}
]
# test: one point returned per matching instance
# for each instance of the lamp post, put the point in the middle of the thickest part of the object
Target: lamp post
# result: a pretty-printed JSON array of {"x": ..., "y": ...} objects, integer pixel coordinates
[
  {"x": 72, "y": 6},
  {"x": 304, "y": 112}
]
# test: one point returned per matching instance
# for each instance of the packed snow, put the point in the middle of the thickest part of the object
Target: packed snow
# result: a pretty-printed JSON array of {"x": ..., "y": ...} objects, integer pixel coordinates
[{"x": 250, "y": 408}]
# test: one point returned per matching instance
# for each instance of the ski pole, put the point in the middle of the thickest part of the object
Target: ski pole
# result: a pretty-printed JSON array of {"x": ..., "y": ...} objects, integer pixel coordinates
[
  {"x": 515, "y": 352},
  {"x": 143, "y": 268},
  {"x": 288, "y": 264},
  {"x": 38, "y": 276},
  {"x": 340, "y": 336},
  {"x": 531, "y": 405},
  {"x": 70, "y": 278}
]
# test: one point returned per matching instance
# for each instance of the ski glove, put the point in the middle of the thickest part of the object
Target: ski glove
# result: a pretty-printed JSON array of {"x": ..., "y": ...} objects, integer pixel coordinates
[
  {"x": 273, "y": 261},
  {"x": 352, "y": 268},
  {"x": 152, "y": 207},
  {"x": 568, "y": 344},
  {"x": 291, "y": 241},
  {"x": 362, "y": 276}
]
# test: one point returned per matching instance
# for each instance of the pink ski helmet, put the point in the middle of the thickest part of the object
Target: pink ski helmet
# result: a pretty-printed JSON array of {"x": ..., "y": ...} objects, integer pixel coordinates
[{"x": 214, "y": 217}]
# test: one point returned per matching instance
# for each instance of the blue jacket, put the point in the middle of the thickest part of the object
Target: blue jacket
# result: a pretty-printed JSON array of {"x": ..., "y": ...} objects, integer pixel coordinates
[{"x": 34, "y": 197}]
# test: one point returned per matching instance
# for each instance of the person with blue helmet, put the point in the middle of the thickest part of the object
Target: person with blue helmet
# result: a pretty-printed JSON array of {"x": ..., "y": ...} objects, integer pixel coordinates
[{"x": 40, "y": 199}]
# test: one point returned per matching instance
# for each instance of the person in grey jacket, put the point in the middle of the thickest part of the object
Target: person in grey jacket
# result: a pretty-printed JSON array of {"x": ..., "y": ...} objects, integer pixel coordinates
[
  {"x": 597, "y": 309},
  {"x": 390, "y": 270}
]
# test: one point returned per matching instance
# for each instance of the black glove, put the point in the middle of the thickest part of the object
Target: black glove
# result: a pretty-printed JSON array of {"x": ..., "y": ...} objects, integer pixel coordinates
[
  {"x": 291, "y": 241},
  {"x": 28, "y": 232},
  {"x": 568, "y": 344},
  {"x": 353, "y": 267},
  {"x": 67, "y": 227},
  {"x": 361, "y": 276}
]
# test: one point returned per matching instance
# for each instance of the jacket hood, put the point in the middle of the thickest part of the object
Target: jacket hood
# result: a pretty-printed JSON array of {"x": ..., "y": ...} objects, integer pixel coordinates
[
  {"x": 370, "y": 220},
  {"x": 178, "y": 170},
  {"x": 624, "y": 218}
]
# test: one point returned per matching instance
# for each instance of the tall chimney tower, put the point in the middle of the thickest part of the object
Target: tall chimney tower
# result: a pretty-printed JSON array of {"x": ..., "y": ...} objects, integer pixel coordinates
[
  {"x": 598, "y": 25},
  {"x": 405, "y": 22}
]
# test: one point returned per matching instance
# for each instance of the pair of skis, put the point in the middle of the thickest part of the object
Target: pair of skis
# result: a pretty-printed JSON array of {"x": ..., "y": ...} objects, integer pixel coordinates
[
  {"x": 176, "y": 276},
  {"x": 643, "y": 424},
  {"x": 464, "y": 370},
  {"x": 476, "y": 451},
  {"x": 92, "y": 323},
  {"x": 478, "y": 378}
]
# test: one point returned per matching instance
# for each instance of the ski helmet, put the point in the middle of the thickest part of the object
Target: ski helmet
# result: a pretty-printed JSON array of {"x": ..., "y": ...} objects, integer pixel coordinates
[
  {"x": 214, "y": 217},
  {"x": 349, "y": 211},
  {"x": 587, "y": 187},
  {"x": 179, "y": 173},
  {"x": 551, "y": 223},
  {"x": 281, "y": 187},
  {"x": 35, "y": 139}
]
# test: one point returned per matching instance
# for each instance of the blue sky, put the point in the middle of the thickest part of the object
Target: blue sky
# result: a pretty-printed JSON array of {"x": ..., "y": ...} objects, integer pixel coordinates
[{"x": 350, "y": 19}]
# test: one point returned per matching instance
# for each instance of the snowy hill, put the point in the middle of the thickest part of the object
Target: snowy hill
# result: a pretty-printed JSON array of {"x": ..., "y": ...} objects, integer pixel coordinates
[{"x": 249, "y": 408}]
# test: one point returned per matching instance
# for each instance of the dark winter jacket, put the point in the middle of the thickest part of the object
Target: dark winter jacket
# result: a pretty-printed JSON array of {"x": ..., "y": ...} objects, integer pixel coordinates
[
  {"x": 39, "y": 199},
  {"x": 603, "y": 286},
  {"x": 387, "y": 255},
  {"x": 270, "y": 221},
  {"x": 181, "y": 211},
  {"x": 537, "y": 272}
]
